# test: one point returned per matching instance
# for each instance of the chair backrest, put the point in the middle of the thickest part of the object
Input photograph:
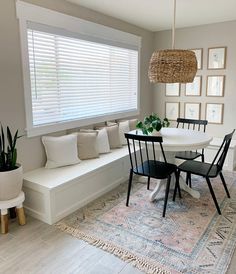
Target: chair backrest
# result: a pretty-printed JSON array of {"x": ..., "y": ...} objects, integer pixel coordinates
[
  {"x": 222, "y": 152},
  {"x": 143, "y": 148},
  {"x": 193, "y": 124}
]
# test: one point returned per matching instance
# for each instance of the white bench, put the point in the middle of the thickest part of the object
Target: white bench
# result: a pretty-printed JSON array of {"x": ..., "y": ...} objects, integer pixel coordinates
[
  {"x": 52, "y": 194},
  {"x": 211, "y": 150}
]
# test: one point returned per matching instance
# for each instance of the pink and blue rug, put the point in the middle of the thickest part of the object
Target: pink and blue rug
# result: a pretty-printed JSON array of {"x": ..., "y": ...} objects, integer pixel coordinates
[{"x": 192, "y": 238}]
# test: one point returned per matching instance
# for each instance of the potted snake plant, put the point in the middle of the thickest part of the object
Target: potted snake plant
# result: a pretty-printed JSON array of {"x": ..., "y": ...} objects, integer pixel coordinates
[
  {"x": 11, "y": 173},
  {"x": 152, "y": 124}
]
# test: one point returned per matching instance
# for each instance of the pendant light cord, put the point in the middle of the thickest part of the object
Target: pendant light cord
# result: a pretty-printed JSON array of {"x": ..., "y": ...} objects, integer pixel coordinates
[{"x": 173, "y": 25}]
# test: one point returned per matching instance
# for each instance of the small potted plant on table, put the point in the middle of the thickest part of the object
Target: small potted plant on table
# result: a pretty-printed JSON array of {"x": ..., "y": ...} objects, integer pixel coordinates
[
  {"x": 11, "y": 173},
  {"x": 152, "y": 124}
]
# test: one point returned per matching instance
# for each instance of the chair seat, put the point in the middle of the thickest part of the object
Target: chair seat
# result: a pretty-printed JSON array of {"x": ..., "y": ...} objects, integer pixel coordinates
[
  {"x": 155, "y": 169},
  {"x": 187, "y": 155},
  {"x": 199, "y": 168}
]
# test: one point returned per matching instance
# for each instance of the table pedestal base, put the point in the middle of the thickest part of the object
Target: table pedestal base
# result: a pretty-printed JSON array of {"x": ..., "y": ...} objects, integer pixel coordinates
[{"x": 160, "y": 183}]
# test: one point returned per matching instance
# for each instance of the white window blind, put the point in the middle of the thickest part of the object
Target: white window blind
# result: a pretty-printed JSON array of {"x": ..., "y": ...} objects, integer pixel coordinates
[{"x": 74, "y": 79}]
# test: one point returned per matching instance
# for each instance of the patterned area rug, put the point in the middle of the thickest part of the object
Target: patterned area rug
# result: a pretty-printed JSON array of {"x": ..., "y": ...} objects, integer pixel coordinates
[{"x": 192, "y": 238}]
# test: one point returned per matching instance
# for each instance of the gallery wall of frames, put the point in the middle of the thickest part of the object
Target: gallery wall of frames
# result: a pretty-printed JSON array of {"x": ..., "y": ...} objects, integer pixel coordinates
[{"x": 213, "y": 90}]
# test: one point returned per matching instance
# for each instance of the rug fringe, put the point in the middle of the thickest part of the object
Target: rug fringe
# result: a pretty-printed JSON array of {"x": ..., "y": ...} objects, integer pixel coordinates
[{"x": 142, "y": 264}]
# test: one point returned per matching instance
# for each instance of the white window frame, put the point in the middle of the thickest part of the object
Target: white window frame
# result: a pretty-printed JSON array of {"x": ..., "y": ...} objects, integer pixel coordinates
[{"x": 78, "y": 28}]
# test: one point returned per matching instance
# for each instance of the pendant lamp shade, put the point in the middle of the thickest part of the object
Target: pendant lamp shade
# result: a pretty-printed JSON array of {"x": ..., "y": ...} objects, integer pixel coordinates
[{"x": 172, "y": 66}]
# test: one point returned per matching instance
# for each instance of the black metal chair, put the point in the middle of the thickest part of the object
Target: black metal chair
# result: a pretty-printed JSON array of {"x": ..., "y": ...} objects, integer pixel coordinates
[
  {"x": 199, "y": 125},
  {"x": 209, "y": 170},
  {"x": 143, "y": 162}
]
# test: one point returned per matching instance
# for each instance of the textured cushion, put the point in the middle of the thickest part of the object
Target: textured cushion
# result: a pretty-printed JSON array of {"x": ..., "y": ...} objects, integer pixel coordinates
[
  {"x": 61, "y": 151},
  {"x": 132, "y": 124},
  {"x": 87, "y": 145},
  {"x": 113, "y": 136},
  {"x": 102, "y": 139},
  {"x": 123, "y": 128}
]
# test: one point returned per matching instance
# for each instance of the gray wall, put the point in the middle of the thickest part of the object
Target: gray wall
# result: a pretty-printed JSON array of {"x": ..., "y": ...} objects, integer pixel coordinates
[
  {"x": 222, "y": 34},
  {"x": 12, "y": 111}
]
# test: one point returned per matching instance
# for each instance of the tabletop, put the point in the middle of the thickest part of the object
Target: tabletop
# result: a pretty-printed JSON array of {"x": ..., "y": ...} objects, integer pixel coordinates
[{"x": 178, "y": 139}]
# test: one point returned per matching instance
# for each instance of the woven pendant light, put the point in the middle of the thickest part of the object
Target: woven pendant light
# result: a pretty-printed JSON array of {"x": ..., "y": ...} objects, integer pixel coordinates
[{"x": 172, "y": 65}]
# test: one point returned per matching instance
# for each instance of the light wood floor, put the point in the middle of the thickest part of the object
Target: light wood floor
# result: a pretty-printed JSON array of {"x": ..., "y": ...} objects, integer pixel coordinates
[{"x": 42, "y": 249}]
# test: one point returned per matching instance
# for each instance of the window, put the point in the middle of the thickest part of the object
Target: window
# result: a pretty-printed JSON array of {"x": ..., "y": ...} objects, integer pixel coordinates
[{"x": 76, "y": 80}]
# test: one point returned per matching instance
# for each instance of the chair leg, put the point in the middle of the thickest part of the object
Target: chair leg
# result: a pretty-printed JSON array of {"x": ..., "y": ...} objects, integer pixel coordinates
[
  {"x": 4, "y": 221},
  {"x": 213, "y": 195},
  {"x": 203, "y": 158},
  {"x": 190, "y": 180},
  {"x": 177, "y": 174},
  {"x": 129, "y": 186},
  {"x": 187, "y": 174},
  {"x": 166, "y": 195},
  {"x": 224, "y": 184},
  {"x": 148, "y": 183}
]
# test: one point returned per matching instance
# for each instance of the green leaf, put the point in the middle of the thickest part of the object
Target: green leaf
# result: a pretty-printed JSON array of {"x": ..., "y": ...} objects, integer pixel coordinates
[
  {"x": 146, "y": 120},
  {"x": 15, "y": 139},
  {"x": 1, "y": 149},
  {"x": 139, "y": 124},
  {"x": 9, "y": 137},
  {"x": 14, "y": 157},
  {"x": 3, "y": 139}
]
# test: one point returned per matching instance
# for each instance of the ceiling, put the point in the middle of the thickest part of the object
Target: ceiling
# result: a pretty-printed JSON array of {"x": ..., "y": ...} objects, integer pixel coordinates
[{"x": 156, "y": 15}]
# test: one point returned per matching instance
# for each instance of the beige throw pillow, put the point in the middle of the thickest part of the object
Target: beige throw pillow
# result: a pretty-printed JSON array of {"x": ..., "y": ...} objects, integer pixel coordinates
[
  {"x": 132, "y": 124},
  {"x": 87, "y": 145},
  {"x": 102, "y": 141}
]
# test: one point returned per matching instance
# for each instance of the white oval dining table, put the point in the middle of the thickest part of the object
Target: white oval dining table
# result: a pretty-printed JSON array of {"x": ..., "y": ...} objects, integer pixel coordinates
[{"x": 178, "y": 139}]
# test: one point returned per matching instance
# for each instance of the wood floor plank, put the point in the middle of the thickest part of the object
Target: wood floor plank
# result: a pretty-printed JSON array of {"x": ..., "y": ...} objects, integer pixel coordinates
[{"x": 129, "y": 269}]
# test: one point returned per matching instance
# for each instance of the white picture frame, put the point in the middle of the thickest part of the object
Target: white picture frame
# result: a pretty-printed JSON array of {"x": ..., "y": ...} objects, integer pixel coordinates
[
  {"x": 172, "y": 89},
  {"x": 215, "y": 85},
  {"x": 172, "y": 110},
  {"x": 198, "y": 53},
  {"x": 216, "y": 58},
  {"x": 194, "y": 88},
  {"x": 192, "y": 110},
  {"x": 214, "y": 113}
]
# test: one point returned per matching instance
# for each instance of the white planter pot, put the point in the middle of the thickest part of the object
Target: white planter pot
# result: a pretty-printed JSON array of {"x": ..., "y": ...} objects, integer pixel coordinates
[{"x": 11, "y": 183}]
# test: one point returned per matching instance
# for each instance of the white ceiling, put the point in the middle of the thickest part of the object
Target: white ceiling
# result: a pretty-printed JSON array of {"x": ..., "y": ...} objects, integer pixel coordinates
[{"x": 157, "y": 15}]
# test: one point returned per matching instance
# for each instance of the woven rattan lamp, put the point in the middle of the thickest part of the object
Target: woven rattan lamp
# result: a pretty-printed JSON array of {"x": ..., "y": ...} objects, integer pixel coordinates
[{"x": 172, "y": 65}]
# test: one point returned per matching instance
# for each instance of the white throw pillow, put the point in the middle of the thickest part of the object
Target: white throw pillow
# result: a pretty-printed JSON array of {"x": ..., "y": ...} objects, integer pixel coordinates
[
  {"x": 102, "y": 141},
  {"x": 61, "y": 151},
  {"x": 123, "y": 128}
]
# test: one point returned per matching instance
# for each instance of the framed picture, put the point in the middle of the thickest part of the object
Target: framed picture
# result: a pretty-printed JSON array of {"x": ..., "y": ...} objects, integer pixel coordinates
[
  {"x": 214, "y": 113},
  {"x": 172, "y": 110},
  {"x": 215, "y": 85},
  {"x": 198, "y": 53},
  {"x": 216, "y": 58},
  {"x": 194, "y": 88},
  {"x": 192, "y": 110},
  {"x": 173, "y": 89}
]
